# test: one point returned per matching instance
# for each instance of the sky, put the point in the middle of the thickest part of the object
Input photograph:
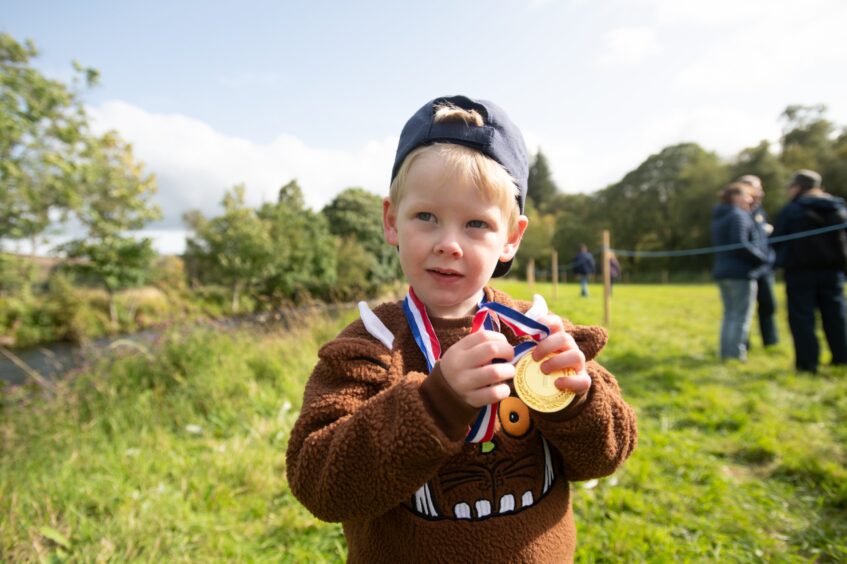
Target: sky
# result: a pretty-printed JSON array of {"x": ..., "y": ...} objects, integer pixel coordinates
[{"x": 212, "y": 94}]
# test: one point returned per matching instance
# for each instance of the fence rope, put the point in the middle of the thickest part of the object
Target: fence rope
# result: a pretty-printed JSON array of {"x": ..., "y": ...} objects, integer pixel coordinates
[{"x": 725, "y": 248}]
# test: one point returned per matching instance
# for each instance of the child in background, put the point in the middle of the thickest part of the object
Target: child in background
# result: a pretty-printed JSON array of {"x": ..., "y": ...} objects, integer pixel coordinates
[{"x": 411, "y": 434}]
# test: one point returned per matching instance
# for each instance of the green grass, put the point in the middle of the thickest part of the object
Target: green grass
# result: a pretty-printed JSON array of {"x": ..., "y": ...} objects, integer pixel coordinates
[{"x": 177, "y": 454}]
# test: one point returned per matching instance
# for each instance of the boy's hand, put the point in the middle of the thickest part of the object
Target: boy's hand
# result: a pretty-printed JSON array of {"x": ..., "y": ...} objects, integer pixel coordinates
[
  {"x": 467, "y": 367},
  {"x": 566, "y": 355}
]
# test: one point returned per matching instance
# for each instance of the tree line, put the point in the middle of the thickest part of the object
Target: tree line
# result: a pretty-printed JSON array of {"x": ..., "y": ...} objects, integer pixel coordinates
[
  {"x": 665, "y": 203},
  {"x": 285, "y": 252},
  {"x": 55, "y": 169}
]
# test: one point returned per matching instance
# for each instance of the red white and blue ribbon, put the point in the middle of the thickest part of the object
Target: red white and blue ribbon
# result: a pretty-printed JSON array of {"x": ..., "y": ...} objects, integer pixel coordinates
[{"x": 489, "y": 316}]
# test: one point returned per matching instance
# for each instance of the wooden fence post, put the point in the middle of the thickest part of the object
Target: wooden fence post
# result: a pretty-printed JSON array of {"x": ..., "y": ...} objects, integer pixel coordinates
[{"x": 530, "y": 274}]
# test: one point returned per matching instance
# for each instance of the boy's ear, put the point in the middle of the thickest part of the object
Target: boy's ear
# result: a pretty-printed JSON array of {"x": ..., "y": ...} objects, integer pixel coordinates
[
  {"x": 389, "y": 223},
  {"x": 510, "y": 249}
]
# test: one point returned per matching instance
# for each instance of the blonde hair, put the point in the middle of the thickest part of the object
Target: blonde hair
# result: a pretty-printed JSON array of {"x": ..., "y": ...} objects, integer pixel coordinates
[{"x": 491, "y": 179}]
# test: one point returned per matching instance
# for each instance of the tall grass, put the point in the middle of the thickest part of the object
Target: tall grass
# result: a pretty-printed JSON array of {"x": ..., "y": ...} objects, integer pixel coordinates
[{"x": 177, "y": 453}]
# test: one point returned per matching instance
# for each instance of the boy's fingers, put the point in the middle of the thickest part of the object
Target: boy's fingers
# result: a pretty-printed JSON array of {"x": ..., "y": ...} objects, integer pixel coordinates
[
  {"x": 489, "y": 395},
  {"x": 553, "y": 321},
  {"x": 578, "y": 384},
  {"x": 484, "y": 336},
  {"x": 490, "y": 375},
  {"x": 573, "y": 358},
  {"x": 487, "y": 351},
  {"x": 556, "y": 342}
]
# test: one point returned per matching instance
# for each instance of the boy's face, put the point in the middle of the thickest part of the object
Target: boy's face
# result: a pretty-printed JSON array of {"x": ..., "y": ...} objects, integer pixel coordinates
[{"x": 450, "y": 238}]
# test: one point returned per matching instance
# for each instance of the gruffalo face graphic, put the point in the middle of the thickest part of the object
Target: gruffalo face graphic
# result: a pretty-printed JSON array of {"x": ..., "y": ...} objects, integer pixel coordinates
[{"x": 509, "y": 474}]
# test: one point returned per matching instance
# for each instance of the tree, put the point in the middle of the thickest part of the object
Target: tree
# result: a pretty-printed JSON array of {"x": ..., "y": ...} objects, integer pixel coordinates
[
  {"x": 540, "y": 187},
  {"x": 113, "y": 196},
  {"x": 353, "y": 270},
  {"x": 806, "y": 137},
  {"x": 577, "y": 220},
  {"x": 665, "y": 203},
  {"x": 835, "y": 173},
  {"x": 42, "y": 129},
  {"x": 536, "y": 243},
  {"x": 304, "y": 251},
  {"x": 235, "y": 248},
  {"x": 809, "y": 141},
  {"x": 356, "y": 214},
  {"x": 118, "y": 262},
  {"x": 760, "y": 161},
  {"x": 280, "y": 252}
]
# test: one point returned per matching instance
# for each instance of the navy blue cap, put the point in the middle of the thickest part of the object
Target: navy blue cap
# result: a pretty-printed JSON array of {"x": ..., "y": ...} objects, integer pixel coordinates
[{"x": 498, "y": 138}]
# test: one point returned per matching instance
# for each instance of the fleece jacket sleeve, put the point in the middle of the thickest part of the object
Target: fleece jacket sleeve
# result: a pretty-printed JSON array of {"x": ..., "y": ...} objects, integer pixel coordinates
[
  {"x": 598, "y": 431},
  {"x": 365, "y": 439}
]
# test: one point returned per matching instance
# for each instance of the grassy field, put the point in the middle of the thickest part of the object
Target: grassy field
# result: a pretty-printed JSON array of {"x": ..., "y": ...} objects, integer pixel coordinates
[{"x": 177, "y": 453}]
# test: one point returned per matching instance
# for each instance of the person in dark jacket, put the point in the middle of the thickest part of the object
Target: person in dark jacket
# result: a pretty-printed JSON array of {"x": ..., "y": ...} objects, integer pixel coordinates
[
  {"x": 814, "y": 268},
  {"x": 765, "y": 295},
  {"x": 584, "y": 266},
  {"x": 736, "y": 270}
]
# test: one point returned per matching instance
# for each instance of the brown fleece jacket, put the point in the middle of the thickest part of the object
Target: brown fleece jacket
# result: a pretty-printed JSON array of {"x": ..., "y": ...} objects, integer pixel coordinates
[{"x": 379, "y": 446}]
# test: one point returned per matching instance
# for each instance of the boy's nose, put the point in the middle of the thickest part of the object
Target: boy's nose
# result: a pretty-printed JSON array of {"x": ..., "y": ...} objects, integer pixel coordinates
[{"x": 448, "y": 245}]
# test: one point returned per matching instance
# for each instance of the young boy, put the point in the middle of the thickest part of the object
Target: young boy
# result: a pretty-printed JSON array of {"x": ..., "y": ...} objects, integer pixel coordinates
[{"x": 411, "y": 433}]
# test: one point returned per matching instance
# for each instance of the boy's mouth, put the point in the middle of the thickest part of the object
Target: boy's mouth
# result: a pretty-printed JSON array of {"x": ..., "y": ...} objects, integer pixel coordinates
[{"x": 444, "y": 273}]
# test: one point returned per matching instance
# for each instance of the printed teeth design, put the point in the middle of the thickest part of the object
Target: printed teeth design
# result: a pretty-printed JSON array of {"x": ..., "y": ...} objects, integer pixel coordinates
[
  {"x": 507, "y": 503},
  {"x": 483, "y": 506},
  {"x": 424, "y": 506}
]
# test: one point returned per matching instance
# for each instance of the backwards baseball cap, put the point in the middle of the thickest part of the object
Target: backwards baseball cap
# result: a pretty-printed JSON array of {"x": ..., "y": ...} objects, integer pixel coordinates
[
  {"x": 498, "y": 139},
  {"x": 806, "y": 179}
]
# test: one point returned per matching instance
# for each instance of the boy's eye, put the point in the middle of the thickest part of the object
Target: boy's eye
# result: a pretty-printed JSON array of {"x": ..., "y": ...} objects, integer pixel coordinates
[
  {"x": 477, "y": 224},
  {"x": 425, "y": 216}
]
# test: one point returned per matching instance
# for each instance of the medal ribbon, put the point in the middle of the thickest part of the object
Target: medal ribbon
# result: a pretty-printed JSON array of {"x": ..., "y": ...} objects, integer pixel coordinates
[{"x": 489, "y": 316}]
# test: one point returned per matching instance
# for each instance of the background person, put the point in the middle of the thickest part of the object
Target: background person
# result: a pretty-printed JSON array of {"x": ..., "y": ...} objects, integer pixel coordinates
[
  {"x": 736, "y": 270},
  {"x": 814, "y": 269},
  {"x": 765, "y": 295},
  {"x": 614, "y": 270},
  {"x": 584, "y": 266}
]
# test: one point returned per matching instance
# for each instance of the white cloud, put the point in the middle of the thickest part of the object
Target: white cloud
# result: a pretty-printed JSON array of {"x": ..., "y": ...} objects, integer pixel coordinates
[
  {"x": 629, "y": 45},
  {"x": 195, "y": 164},
  {"x": 770, "y": 50},
  {"x": 758, "y": 43},
  {"x": 722, "y": 129},
  {"x": 709, "y": 12}
]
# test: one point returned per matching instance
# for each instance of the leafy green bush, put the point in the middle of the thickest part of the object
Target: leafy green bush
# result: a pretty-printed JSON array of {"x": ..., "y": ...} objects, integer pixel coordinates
[{"x": 17, "y": 275}]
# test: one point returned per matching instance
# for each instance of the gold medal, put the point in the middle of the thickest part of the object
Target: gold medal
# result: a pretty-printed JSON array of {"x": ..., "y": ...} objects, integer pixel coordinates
[{"x": 537, "y": 389}]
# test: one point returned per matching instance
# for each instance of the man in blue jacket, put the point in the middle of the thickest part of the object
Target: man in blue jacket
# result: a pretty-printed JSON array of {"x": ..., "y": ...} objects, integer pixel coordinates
[
  {"x": 736, "y": 270},
  {"x": 814, "y": 268}
]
